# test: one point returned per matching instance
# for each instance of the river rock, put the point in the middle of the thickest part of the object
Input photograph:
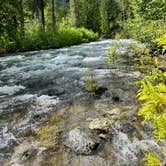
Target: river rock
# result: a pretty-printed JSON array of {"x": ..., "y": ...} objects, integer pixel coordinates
[
  {"x": 27, "y": 153},
  {"x": 80, "y": 142},
  {"x": 100, "y": 124},
  {"x": 7, "y": 139},
  {"x": 129, "y": 152},
  {"x": 124, "y": 126}
]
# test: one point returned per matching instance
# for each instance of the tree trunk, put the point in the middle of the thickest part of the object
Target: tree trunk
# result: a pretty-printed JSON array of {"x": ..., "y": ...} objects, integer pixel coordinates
[
  {"x": 42, "y": 13},
  {"x": 22, "y": 17},
  {"x": 53, "y": 14}
]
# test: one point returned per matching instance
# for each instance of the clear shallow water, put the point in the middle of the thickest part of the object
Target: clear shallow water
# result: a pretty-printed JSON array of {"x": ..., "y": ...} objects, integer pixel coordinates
[{"x": 35, "y": 85}]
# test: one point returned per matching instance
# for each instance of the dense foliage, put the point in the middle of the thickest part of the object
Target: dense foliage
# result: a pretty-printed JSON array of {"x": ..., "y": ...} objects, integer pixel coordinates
[
  {"x": 153, "y": 94},
  {"x": 162, "y": 43},
  {"x": 152, "y": 160},
  {"x": 37, "y": 38}
]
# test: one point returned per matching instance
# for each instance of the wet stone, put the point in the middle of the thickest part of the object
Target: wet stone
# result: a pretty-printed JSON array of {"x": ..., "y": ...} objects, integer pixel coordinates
[
  {"x": 124, "y": 126},
  {"x": 129, "y": 152},
  {"x": 79, "y": 141},
  {"x": 26, "y": 153},
  {"x": 7, "y": 140},
  {"x": 102, "y": 125}
]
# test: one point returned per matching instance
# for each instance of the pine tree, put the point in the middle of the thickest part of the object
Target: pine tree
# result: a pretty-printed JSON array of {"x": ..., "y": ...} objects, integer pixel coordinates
[{"x": 109, "y": 11}]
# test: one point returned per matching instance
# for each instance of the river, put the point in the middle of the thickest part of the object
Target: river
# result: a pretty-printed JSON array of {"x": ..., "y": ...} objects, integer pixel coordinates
[{"x": 38, "y": 85}]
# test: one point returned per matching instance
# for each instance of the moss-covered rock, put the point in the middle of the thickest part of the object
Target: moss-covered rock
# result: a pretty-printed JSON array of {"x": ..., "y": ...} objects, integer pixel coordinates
[{"x": 49, "y": 133}]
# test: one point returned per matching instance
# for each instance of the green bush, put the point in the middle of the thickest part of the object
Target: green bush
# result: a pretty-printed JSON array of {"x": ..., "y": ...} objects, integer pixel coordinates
[
  {"x": 145, "y": 31},
  {"x": 112, "y": 56},
  {"x": 152, "y": 160},
  {"x": 153, "y": 95},
  {"x": 38, "y": 38},
  {"x": 162, "y": 43}
]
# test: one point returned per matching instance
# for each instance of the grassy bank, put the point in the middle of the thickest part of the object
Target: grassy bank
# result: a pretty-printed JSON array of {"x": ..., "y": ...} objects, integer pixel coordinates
[{"x": 38, "y": 38}]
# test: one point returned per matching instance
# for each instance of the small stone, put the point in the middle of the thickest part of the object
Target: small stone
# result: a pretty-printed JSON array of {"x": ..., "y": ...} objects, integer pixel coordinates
[
  {"x": 102, "y": 125},
  {"x": 103, "y": 136}
]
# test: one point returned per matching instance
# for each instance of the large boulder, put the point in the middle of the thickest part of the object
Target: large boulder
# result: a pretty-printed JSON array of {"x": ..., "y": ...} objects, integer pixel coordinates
[{"x": 80, "y": 142}]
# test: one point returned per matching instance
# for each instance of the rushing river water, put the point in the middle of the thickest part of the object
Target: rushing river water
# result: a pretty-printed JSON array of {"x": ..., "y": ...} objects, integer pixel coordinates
[{"x": 39, "y": 84}]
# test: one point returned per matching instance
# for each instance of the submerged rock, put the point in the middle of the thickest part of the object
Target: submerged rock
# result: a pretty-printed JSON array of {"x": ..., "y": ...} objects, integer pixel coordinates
[
  {"x": 80, "y": 142},
  {"x": 100, "y": 90},
  {"x": 38, "y": 112},
  {"x": 124, "y": 126},
  {"x": 7, "y": 139},
  {"x": 26, "y": 154},
  {"x": 129, "y": 152},
  {"x": 100, "y": 124}
]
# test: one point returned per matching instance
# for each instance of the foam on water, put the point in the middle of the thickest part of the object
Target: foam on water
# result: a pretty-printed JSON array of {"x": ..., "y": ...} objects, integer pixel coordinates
[{"x": 10, "y": 90}]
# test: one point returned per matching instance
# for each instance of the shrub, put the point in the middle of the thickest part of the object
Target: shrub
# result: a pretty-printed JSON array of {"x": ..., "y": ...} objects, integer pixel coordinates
[
  {"x": 112, "y": 56},
  {"x": 143, "y": 30},
  {"x": 88, "y": 35},
  {"x": 91, "y": 84},
  {"x": 148, "y": 60},
  {"x": 148, "y": 64},
  {"x": 5, "y": 43},
  {"x": 38, "y": 38},
  {"x": 162, "y": 43},
  {"x": 153, "y": 95},
  {"x": 152, "y": 160},
  {"x": 118, "y": 36}
]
